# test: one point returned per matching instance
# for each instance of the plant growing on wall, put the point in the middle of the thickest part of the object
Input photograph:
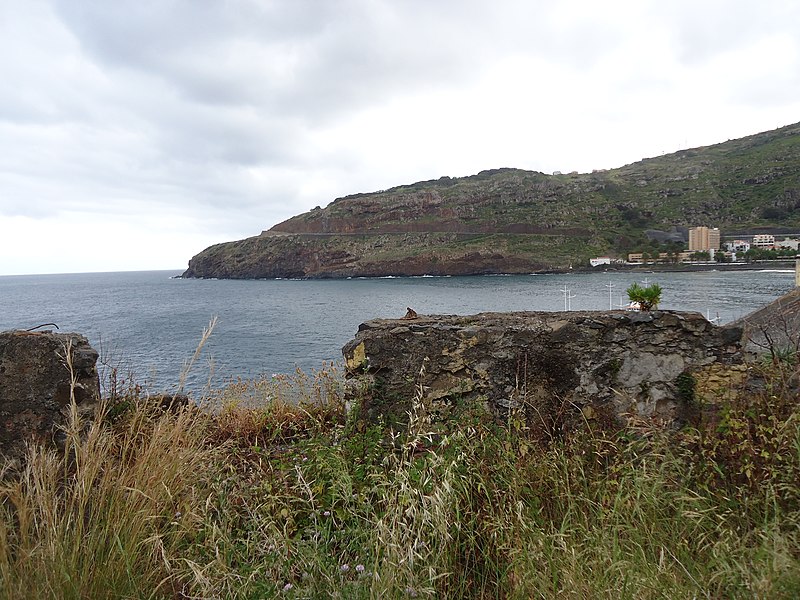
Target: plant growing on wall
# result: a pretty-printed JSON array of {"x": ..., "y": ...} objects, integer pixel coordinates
[{"x": 647, "y": 297}]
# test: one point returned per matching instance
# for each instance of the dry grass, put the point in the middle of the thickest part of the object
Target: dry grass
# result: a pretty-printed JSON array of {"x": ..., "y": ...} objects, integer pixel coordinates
[
  {"x": 293, "y": 499},
  {"x": 107, "y": 516}
]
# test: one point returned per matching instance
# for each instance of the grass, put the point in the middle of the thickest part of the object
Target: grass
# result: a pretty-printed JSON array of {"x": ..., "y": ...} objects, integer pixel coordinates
[
  {"x": 107, "y": 517},
  {"x": 285, "y": 494}
]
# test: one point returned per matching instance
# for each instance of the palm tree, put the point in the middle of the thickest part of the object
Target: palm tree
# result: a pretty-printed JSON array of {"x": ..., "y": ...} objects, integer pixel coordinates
[{"x": 647, "y": 298}]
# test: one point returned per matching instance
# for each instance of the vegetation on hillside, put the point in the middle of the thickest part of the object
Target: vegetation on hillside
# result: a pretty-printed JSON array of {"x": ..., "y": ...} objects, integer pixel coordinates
[
  {"x": 268, "y": 499},
  {"x": 526, "y": 220},
  {"x": 749, "y": 182}
]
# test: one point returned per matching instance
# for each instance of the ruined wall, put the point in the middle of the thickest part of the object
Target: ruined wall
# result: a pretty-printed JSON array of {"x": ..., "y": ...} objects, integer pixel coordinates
[
  {"x": 36, "y": 384},
  {"x": 584, "y": 363},
  {"x": 774, "y": 328}
]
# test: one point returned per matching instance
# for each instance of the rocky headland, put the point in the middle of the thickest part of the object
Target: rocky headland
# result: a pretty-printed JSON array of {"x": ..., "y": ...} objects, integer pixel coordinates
[{"x": 517, "y": 221}]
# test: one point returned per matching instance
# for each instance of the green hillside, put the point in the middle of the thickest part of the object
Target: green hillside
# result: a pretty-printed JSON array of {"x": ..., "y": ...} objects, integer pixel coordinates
[{"x": 511, "y": 220}]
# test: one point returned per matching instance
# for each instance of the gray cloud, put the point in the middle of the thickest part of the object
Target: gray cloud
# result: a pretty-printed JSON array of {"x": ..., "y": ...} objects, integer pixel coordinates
[
  {"x": 306, "y": 57},
  {"x": 704, "y": 30},
  {"x": 226, "y": 117}
]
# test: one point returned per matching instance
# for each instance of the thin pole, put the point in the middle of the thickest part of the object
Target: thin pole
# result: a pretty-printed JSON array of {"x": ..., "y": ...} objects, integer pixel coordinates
[{"x": 568, "y": 296}]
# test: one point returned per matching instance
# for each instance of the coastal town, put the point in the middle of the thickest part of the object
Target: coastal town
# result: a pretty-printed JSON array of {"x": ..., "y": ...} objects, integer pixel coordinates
[{"x": 699, "y": 245}]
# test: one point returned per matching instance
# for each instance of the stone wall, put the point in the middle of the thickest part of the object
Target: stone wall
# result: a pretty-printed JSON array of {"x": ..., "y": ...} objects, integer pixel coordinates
[
  {"x": 36, "y": 384},
  {"x": 584, "y": 364},
  {"x": 775, "y": 328}
]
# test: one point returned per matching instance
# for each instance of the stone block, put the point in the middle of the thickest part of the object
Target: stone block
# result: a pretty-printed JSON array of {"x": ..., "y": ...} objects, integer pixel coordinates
[
  {"x": 40, "y": 374},
  {"x": 630, "y": 365}
]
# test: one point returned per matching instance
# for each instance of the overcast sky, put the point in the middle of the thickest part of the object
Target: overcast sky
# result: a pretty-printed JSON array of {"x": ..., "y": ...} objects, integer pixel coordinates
[{"x": 135, "y": 134}]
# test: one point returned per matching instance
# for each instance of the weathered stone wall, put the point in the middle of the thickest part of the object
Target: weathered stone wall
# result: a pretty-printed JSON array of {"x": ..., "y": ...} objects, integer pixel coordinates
[
  {"x": 585, "y": 363},
  {"x": 36, "y": 384},
  {"x": 774, "y": 328}
]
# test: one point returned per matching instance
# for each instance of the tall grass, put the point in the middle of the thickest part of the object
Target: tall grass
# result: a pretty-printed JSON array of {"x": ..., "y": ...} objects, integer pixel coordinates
[
  {"x": 106, "y": 517},
  {"x": 187, "y": 366},
  {"x": 301, "y": 500}
]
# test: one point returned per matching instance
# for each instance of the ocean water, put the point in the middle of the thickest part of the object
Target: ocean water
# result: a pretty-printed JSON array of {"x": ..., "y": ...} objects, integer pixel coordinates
[{"x": 148, "y": 324}]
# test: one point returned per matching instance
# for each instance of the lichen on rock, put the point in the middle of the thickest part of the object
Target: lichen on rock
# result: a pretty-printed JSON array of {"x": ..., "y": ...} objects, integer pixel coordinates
[
  {"x": 40, "y": 374},
  {"x": 612, "y": 363}
]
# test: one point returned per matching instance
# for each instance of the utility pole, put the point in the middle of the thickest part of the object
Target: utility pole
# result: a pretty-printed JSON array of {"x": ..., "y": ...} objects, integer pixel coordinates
[
  {"x": 568, "y": 296},
  {"x": 610, "y": 285},
  {"x": 797, "y": 271}
]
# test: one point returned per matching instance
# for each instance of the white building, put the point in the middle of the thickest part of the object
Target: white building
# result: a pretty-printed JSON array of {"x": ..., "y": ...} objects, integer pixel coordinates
[
  {"x": 765, "y": 241},
  {"x": 737, "y": 246},
  {"x": 793, "y": 244},
  {"x": 600, "y": 260}
]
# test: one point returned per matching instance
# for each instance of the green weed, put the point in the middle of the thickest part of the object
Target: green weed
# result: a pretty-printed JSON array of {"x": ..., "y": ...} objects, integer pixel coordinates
[{"x": 283, "y": 499}]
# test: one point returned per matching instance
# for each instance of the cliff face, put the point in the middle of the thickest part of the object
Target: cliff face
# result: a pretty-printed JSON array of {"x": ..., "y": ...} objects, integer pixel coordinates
[
  {"x": 273, "y": 255},
  {"x": 515, "y": 221}
]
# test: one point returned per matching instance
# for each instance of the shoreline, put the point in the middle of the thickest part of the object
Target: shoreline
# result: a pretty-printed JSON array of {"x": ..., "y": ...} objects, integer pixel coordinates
[
  {"x": 634, "y": 268},
  {"x": 690, "y": 268}
]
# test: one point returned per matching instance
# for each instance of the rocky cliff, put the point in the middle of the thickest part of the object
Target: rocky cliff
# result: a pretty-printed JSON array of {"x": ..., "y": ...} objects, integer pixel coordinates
[{"x": 516, "y": 221}]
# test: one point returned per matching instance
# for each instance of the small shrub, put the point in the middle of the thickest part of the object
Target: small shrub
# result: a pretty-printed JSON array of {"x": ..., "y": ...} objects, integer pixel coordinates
[{"x": 648, "y": 298}]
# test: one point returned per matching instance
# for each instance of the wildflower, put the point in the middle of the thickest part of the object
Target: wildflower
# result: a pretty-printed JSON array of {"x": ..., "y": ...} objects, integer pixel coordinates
[
  {"x": 360, "y": 568},
  {"x": 287, "y": 587},
  {"x": 411, "y": 592},
  {"x": 344, "y": 568},
  {"x": 327, "y": 513}
]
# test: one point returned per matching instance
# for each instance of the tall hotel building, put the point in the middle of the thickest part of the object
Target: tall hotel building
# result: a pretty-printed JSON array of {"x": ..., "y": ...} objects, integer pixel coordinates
[{"x": 703, "y": 239}]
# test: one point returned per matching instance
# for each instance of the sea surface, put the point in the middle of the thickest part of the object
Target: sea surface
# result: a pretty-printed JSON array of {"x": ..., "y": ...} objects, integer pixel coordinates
[{"x": 148, "y": 324}]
